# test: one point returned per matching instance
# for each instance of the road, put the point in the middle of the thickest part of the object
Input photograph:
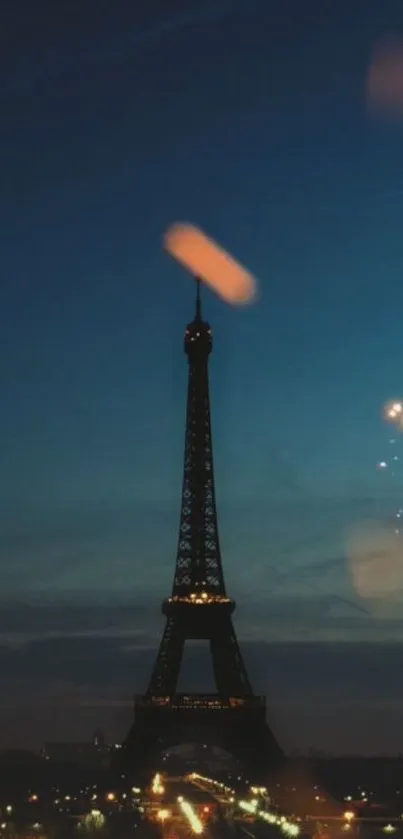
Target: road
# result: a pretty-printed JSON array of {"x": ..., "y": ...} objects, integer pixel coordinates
[
  {"x": 210, "y": 814},
  {"x": 257, "y": 830}
]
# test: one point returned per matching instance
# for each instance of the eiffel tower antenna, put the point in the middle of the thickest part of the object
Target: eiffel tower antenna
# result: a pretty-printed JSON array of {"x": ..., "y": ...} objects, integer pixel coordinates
[
  {"x": 198, "y": 300},
  {"x": 199, "y": 608}
]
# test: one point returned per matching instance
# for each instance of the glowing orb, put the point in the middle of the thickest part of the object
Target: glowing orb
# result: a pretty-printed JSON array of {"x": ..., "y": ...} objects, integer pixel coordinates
[
  {"x": 393, "y": 412},
  {"x": 385, "y": 78},
  {"x": 376, "y": 552},
  {"x": 205, "y": 259}
]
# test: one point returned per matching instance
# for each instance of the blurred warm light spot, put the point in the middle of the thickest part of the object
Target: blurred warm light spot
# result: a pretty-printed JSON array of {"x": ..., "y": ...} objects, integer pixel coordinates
[
  {"x": 393, "y": 412},
  {"x": 375, "y": 553},
  {"x": 205, "y": 259},
  {"x": 385, "y": 78}
]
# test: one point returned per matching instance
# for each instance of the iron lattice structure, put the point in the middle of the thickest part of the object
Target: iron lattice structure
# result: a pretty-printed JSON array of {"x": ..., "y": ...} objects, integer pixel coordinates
[{"x": 199, "y": 607}]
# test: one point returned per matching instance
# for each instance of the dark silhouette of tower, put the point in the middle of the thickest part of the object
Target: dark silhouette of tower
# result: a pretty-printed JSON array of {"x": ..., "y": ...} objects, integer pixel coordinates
[{"x": 199, "y": 608}]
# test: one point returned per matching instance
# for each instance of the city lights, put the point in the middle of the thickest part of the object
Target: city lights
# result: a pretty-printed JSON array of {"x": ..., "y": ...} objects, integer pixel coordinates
[
  {"x": 190, "y": 815},
  {"x": 156, "y": 786},
  {"x": 194, "y": 815},
  {"x": 248, "y": 806},
  {"x": 288, "y": 827},
  {"x": 94, "y": 820},
  {"x": 198, "y": 598},
  {"x": 258, "y": 790}
]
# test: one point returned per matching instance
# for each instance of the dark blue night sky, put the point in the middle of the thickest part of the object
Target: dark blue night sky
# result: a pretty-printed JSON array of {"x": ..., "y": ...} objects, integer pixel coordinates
[{"x": 249, "y": 120}]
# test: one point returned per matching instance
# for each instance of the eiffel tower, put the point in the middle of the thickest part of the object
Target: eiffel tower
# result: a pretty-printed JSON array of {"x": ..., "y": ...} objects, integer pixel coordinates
[{"x": 199, "y": 608}]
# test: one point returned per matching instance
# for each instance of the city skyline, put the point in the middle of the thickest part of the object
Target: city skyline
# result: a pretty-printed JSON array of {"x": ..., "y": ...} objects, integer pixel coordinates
[{"x": 288, "y": 171}]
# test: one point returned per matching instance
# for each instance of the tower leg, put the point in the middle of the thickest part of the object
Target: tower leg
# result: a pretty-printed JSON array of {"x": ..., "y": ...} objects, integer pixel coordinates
[
  {"x": 230, "y": 673},
  {"x": 165, "y": 675}
]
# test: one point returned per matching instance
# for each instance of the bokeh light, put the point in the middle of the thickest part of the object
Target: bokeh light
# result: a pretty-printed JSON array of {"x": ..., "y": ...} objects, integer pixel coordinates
[
  {"x": 393, "y": 412},
  {"x": 375, "y": 554},
  {"x": 203, "y": 258},
  {"x": 385, "y": 78}
]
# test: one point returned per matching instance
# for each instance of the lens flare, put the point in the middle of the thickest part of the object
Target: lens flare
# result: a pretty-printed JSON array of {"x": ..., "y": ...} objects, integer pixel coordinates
[
  {"x": 393, "y": 413},
  {"x": 376, "y": 561},
  {"x": 205, "y": 259},
  {"x": 385, "y": 78}
]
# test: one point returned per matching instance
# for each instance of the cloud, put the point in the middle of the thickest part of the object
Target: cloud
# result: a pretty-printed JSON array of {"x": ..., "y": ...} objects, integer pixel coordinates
[
  {"x": 137, "y": 620},
  {"x": 82, "y": 548},
  {"x": 35, "y": 619},
  {"x": 290, "y": 543},
  {"x": 326, "y": 695}
]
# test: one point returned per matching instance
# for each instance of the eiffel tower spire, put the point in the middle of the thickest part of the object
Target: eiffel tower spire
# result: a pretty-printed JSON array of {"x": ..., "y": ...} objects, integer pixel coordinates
[
  {"x": 198, "y": 560},
  {"x": 198, "y": 301}
]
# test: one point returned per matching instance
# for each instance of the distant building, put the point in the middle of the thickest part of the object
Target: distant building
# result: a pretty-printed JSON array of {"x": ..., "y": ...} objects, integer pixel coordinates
[
  {"x": 95, "y": 753},
  {"x": 98, "y": 740}
]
